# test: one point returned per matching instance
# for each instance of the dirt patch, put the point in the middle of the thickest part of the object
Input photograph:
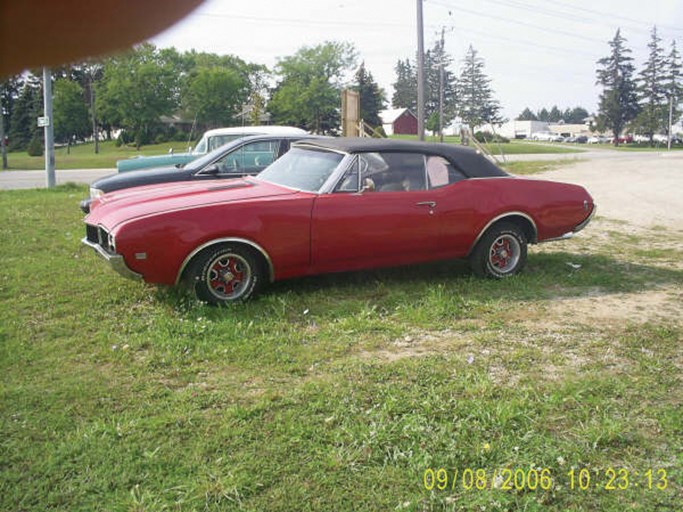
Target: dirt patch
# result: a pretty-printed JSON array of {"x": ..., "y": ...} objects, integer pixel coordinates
[{"x": 643, "y": 189}]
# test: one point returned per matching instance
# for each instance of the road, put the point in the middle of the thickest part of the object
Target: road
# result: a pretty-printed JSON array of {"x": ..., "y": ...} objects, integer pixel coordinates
[{"x": 37, "y": 179}]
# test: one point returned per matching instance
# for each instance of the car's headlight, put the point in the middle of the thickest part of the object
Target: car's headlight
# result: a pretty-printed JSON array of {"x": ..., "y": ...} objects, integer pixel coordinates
[
  {"x": 112, "y": 242},
  {"x": 95, "y": 192}
]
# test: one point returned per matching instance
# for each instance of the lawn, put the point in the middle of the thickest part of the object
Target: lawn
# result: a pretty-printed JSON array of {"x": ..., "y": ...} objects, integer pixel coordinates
[
  {"x": 341, "y": 392},
  {"x": 83, "y": 156}
]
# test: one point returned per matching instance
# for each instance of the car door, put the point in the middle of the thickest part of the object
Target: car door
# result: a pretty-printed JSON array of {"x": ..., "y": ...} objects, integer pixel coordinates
[{"x": 379, "y": 214}]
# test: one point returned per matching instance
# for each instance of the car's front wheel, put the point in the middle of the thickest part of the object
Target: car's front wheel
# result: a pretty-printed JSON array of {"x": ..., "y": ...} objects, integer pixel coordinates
[
  {"x": 501, "y": 252},
  {"x": 225, "y": 274}
]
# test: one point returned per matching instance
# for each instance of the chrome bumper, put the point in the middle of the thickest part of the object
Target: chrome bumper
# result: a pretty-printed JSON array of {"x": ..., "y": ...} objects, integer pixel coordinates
[{"x": 115, "y": 260}]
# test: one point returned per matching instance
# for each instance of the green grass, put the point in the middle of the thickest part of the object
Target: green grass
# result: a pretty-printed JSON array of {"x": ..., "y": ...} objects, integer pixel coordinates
[
  {"x": 537, "y": 166},
  {"x": 326, "y": 393},
  {"x": 514, "y": 147},
  {"x": 83, "y": 156}
]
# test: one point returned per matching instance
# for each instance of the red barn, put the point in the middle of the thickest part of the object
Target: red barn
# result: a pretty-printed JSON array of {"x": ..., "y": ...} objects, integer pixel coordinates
[{"x": 399, "y": 121}]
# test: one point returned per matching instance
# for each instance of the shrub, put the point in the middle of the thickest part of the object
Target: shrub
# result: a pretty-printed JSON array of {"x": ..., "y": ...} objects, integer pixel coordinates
[{"x": 35, "y": 146}]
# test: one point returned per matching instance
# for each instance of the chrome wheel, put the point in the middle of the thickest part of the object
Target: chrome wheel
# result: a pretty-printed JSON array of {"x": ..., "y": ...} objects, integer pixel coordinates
[
  {"x": 501, "y": 252},
  {"x": 504, "y": 253},
  {"x": 228, "y": 276},
  {"x": 225, "y": 273}
]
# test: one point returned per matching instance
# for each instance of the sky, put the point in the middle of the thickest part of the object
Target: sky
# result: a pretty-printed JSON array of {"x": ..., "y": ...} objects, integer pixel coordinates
[{"x": 538, "y": 53}]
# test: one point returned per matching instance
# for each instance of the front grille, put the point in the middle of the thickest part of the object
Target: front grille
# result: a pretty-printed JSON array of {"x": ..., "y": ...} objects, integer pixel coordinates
[
  {"x": 99, "y": 236},
  {"x": 91, "y": 233}
]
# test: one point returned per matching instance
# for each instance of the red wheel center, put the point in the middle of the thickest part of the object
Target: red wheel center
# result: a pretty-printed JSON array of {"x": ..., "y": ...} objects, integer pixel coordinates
[
  {"x": 501, "y": 254},
  {"x": 226, "y": 275}
]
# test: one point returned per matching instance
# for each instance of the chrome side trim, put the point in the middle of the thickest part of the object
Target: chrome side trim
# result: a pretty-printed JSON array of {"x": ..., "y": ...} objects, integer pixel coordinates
[
  {"x": 254, "y": 245},
  {"x": 499, "y": 217},
  {"x": 115, "y": 260},
  {"x": 566, "y": 236}
]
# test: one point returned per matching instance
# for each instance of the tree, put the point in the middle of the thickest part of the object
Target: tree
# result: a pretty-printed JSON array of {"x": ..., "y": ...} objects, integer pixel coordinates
[
  {"x": 27, "y": 108},
  {"x": 405, "y": 86},
  {"x": 310, "y": 83},
  {"x": 527, "y": 115},
  {"x": 576, "y": 115},
  {"x": 9, "y": 89},
  {"x": 136, "y": 89},
  {"x": 651, "y": 90},
  {"x": 544, "y": 115},
  {"x": 618, "y": 103},
  {"x": 70, "y": 113},
  {"x": 371, "y": 97},
  {"x": 476, "y": 105},
  {"x": 215, "y": 95},
  {"x": 437, "y": 61},
  {"x": 555, "y": 115},
  {"x": 674, "y": 81}
]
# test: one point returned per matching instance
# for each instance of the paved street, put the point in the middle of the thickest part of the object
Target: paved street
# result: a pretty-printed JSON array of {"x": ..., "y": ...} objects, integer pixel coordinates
[{"x": 38, "y": 179}]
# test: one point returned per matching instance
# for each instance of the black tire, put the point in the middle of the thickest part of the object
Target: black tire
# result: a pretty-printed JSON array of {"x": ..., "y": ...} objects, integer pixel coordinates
[
  {"x": 225, "y": 274},
  {"x": 501, "y": 252}
]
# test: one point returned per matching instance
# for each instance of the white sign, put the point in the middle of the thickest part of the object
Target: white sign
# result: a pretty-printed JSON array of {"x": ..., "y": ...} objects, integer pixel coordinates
[{"x": 43, "y": 121}]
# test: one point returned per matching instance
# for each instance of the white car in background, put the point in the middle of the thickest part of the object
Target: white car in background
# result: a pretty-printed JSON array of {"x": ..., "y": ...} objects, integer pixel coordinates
[
  {"x": 211, "y": 140},
  {"x": 547, "y": 137}
]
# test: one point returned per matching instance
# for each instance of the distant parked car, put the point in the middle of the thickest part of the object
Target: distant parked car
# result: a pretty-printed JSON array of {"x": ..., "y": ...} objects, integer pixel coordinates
[
  {"x": 246, "y": 156},
  {"x": 333, "y": 205},
  {"x": 547, "y": 137},
  {"x": 211, "y": 140},
  {"x": 577, "y": 139}
]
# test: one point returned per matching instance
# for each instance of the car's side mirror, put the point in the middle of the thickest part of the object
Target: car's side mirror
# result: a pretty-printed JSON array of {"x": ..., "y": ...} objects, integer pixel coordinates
[{"x": 211, "y": 169}]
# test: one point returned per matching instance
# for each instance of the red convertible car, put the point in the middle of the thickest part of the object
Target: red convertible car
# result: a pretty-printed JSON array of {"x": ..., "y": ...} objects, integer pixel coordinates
[{"x": 333, "y": 205}]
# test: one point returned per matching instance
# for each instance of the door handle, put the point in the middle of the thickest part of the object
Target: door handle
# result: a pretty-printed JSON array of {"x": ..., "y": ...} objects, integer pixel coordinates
[{"x": 431, "y": 204}]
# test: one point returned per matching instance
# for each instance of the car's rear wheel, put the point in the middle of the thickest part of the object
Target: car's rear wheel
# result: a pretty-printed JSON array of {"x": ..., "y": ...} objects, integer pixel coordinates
[
  {"x": 225, "y": 274},
  {"x": 501, "y": 252}
]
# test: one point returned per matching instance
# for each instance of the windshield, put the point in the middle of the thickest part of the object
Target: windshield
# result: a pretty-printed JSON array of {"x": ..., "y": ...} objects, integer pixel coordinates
[
  {"x": 302, "y": 169},
  {"x": 202, "y": 161}
]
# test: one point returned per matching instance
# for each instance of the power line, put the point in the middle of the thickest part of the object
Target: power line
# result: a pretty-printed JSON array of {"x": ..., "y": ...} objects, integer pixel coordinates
[
  {"x": 614, "y": 15},
  {"x": 523, "y": 23}
]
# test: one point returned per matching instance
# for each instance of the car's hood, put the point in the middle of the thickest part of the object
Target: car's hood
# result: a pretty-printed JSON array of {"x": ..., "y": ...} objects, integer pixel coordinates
[
  {"x": 116, "y": 207},
  {"x": 139, "y": 178},
  {"x": 145, "y": 162}
]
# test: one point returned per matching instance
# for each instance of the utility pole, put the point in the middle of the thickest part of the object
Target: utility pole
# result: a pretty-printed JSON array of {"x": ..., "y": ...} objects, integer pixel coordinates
[
  {"x": 49, "y": 134},
  {"x": 420, "y": 74},
  {"x": 3, "y": 148},
  {"x": 441, "y": 80},
  {"x": 671, "y": 111}
]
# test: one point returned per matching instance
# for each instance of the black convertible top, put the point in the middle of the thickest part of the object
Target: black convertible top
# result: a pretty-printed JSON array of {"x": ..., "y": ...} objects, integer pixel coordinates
[{"x": 467, "y": 160}]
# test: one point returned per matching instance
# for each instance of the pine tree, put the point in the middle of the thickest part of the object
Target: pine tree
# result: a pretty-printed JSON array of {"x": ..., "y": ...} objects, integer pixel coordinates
[
  {"x": 618, "y": 101},
  {"x": 476, "y": 105},
  {"x": 653, "y": 116},
  {"x": 405, "y": 86},
  {"x": 437, "y": 60},
  {"x": 555, "y": 115},
  {"x": 527, "y": 115},
  {"x": 27, "y": 108},
  {"x": 674, "y": 81},
  {"x": 371, "y": 97}
]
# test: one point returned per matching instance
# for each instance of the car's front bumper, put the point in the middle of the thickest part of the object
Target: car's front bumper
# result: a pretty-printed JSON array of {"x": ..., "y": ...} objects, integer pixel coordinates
[
  {"x": 115, "y": 260},
  {"x": 85, "y": 205}
]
